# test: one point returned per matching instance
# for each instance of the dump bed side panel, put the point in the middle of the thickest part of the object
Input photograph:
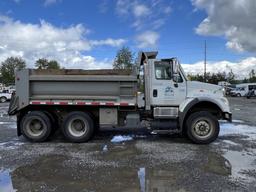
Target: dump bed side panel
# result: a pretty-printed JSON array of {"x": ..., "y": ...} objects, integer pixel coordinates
[{"x": 35, "y": 87}]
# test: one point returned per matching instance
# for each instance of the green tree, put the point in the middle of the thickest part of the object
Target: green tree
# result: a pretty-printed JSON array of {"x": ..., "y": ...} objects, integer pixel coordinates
[
  {"x": 41, "y": 63},
  {"x": 8, "y": 68},
  {"x": 53, "y": 65},
  {"x": 213, "y": 78},
  {"x": 45, "y": 64},
  {"x": 124, "y": 59}
]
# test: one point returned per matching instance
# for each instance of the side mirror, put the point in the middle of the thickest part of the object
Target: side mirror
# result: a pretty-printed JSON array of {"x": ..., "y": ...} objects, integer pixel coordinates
[
  {"x": 175, "y": 66},
  {"x": 176, "y": 77}
]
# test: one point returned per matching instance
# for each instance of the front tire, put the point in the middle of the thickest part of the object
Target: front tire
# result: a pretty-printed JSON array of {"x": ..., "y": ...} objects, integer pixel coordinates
[
  {"x": 36, "y": 126},
  {"x": 202, "y": 127},
  {"x": 78, "y": 127}
]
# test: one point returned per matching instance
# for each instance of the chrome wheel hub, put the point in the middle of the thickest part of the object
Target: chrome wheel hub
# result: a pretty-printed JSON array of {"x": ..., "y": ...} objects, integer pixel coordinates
[
  {"x": 35, "y": 127},
  {"x": 77, "y": 127},
  {"x": 202, "y": 128}
]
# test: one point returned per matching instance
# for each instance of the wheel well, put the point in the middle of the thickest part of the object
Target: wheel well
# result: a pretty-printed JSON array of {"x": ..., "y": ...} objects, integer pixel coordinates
[{"x": 213, "y": 108}]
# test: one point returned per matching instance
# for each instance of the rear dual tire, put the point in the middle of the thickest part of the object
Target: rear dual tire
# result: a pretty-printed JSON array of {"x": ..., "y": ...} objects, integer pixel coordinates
[
  {"x": 36, "y": 126},
  {"x": 78, "y": 127}
]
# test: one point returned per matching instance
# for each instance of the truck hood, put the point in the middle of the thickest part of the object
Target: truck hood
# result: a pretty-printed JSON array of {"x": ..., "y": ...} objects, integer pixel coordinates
[{"x": 196, "y": 89}]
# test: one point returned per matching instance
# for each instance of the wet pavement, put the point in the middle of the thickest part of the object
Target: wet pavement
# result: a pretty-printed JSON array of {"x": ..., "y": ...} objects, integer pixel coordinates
[{"x": 132, "y": 161}]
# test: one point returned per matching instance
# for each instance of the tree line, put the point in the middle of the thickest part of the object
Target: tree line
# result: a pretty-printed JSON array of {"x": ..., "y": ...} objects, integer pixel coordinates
[
  {"x": 229, "y": 77},
  {"x": 11, "y": 64},
  {"x": 124, "y": 60}
]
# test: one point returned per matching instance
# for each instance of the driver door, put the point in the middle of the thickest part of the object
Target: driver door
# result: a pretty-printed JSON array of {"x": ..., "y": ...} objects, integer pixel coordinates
[{"x": 166, "y": 92}]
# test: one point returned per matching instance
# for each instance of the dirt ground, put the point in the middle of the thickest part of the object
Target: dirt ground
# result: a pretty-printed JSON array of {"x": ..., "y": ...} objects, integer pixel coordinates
[{"x": 134, "y": 160}]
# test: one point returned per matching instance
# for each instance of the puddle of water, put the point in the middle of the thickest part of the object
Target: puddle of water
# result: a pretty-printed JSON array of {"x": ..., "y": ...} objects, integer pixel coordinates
[
  {"x": 141, "y": 176},
  {"x": 237, "y": 129},
  {"x": 6, "y": 182},
  {"x": 120, "y": 138},
  {"x": 233, "y": 121},
  {"x": 240, "y": 162},
  {"x": 11, "y": 125},
  {"x": 230, "y": 142},
  {"x": 10, "y": 145},
  {"x": 237, "y": 121}
]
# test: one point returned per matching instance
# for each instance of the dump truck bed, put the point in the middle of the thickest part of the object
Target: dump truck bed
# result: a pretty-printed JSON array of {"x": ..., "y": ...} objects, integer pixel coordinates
[{"x": 75, "y": 87}]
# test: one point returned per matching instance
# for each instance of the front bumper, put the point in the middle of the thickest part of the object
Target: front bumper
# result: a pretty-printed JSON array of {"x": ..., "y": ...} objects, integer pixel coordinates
[{"x": 228, "y": 116}]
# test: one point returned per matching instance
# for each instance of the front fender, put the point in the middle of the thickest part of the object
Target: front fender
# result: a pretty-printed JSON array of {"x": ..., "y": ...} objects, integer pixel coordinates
[{"x": 187, "y": 104}]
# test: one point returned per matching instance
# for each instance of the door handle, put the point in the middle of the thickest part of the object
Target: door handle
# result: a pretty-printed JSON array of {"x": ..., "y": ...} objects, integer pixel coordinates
[{"x": 155, "y": 93}]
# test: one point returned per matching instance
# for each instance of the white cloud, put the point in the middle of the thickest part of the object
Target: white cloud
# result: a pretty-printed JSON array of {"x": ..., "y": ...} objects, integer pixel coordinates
[
  {"x": 241, "y": 68},
  {"x": 140, "y": 10},
  {"x": 146, "y": 17},
  {"x": 144, "y": 14},
  {"x": 147, "y": 39},
  {"x": 109, "y": 41},
  {"x": 43, "y": 40},
  {"x": 233, "y": 19},
  {"x": 51, "y": 2}
]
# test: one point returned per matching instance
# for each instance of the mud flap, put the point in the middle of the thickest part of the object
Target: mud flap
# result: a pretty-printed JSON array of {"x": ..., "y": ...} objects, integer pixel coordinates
[{"x": 14, "y": 105}]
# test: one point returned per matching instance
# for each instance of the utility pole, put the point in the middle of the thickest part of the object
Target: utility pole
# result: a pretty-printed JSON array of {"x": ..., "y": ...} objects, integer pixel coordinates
[{"x": 205, "y": 49}]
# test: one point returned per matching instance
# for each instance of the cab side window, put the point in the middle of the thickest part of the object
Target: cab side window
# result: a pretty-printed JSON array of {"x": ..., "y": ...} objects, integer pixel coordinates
[{"x": 163, "y": 71}]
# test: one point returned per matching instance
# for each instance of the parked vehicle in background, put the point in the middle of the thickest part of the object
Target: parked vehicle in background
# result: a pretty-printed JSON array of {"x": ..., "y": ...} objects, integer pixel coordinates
[
  {"x": 157, "y": 95},
  {"x": 252, "y": 91},
  {"x": 224, "y": 83},
  {"x": 10, "y": 88},
  {"x": 228, "y": 90},
  {"x": 243, "y": 89},
  {"x": 238, "y": 92},
  {"x": 5, "y": 97}
]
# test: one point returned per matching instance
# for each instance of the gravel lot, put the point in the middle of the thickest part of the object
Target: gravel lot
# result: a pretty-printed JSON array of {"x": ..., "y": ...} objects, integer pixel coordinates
[{"x": 141, "y": 162}]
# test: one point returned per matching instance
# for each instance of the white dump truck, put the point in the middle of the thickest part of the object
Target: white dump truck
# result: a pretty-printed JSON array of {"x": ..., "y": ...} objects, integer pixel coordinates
[{"x": 79, "y": 102}]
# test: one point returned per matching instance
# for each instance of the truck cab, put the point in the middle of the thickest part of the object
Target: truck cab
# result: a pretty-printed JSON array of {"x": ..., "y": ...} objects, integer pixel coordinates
[{"x": 174, "y": 100}]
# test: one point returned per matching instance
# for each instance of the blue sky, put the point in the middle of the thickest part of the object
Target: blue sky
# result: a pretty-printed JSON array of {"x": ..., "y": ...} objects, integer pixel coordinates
[{"x": 103, "y": 26}]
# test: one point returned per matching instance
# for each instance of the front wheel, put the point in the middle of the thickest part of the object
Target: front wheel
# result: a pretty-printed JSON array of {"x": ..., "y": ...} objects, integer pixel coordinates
[{"x": 202, "y": 127}]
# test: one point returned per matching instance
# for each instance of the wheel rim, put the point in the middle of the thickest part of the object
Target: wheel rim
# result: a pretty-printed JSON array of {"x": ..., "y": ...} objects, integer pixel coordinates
[
  {"x": 77, "y": 127},
  {"x": 202, "y": 129},
  {"x": 3, "y": 100},
  {"x": 35, "y": 127}
]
